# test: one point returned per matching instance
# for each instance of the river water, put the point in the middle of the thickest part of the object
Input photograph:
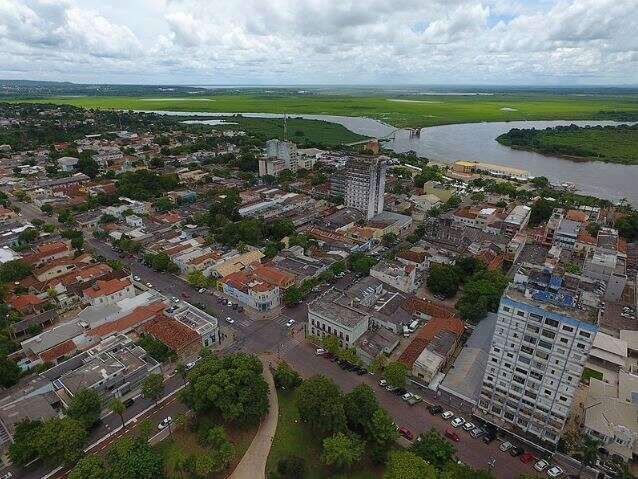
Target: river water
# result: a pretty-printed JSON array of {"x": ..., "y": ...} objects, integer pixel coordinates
[{"x": 476, "y": 142}]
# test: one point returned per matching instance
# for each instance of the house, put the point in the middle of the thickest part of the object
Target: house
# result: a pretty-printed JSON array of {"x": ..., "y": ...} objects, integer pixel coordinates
[
  {"x": 374, "y": 343},
  {"x": 44, "y": 253},
  {"x": 333, "y": 313},
  {"x": 175, "y": 335},
  {"x": 248, "y": 289},
  {"x": 275, "y": 276},
  {"x": 396, "y": 274},
  {"x": 108, "y": 292},
  {"x": 416, "y": 257},
  {"x": 27, "y": 303},
  {"x": 67, "y": 163},
  {"x": 234, "y": 262}
]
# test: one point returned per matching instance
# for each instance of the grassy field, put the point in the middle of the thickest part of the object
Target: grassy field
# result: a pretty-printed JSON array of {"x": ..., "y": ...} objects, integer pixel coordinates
[
  {"x": 185, "y": 441},
  {"x": 303, "y": 132},
  {"x": 401, "y": 112},
  {"x": 610, "y": 144},
  {"x": 293, "y": 438}
]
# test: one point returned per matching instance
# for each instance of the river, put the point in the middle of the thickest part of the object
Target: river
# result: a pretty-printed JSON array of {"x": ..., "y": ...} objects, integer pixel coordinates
[{"x": 476, "y": 142}]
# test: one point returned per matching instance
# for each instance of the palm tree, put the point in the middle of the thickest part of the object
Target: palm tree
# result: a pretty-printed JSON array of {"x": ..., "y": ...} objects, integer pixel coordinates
[
  {"x": 589, "y": 451},
  {"x": 117, "y": 407}
]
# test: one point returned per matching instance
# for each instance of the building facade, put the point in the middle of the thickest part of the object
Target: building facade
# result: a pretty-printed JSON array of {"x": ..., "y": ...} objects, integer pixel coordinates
[
  {"x": 365, "y": 184},
  {"x": 538, "y": 351}
]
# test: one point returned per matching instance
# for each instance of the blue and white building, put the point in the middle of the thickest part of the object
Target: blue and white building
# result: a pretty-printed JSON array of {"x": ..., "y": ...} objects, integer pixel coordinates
[{"x": 541, "y": 341}]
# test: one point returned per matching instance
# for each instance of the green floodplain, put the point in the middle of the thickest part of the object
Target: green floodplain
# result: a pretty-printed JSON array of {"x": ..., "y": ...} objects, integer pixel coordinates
[
  {"x": 611, "y": 144},
  {"x": 400, "y": 111}
]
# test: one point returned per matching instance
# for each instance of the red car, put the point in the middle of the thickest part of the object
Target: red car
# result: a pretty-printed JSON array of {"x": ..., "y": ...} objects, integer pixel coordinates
[
  {"x": 452, "y": 435},
  {"x": 406, "y": 433},
  {"x": 527, "y": 457}
]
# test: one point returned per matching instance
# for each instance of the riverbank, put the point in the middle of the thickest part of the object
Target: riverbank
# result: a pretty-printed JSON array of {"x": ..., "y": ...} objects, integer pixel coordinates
[
  {"x": 610, "y": 144},
  {"x": 412, "y": 111}
]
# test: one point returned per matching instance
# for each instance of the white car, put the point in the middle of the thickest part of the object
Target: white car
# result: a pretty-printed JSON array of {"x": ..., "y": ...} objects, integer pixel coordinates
[
  {"x": 541, "y": 465},
  {"x": 229, "y": 303},
  {"x": 230, "y": 320},
  {"x": 447, "y": 415},
  {"x": 383, "y": 383},
  {"x": 555, "y": 471},
  {"x": 175, "y": 300},
  {"x": 468, "y": 426},
  {"x": 290, "y": 323},
  {"x": 149, "y": 285},
  {"x": 320, "y": 351},
  {"x": 201, "y": 290},
  {"x": 407, "y": 396},
  {"x": 458, "y": 421},
  {"x": 506, "y": 446},
  {"x": 137, "y": 278},
  {"x": 165, "y": 422},
  {"x": 190, "y": 365}
]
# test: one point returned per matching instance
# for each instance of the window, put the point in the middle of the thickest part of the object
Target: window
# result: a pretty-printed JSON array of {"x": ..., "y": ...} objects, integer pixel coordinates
[
  {"x": 569, "y": 329},
  {"x": 535, "y": 316},
  {"x": 506, "y": 309},
  {"x": 563, "y": 398},
  {"x": 521, "y": 313},
  {"x": 545, "y": 344},
  {"x": 530, "y": 394},
  {"x": 584, "y": 334},
  {"x": 551, "y": 322},
  {"x": 564, "y": 340},
  {"x": 524, "y": 360},
  {"x": 580, "y": 346},
  {"x": 518, "y": 380},
  {"x": 510, "y": 355},
  {"x": 548, "y": 334},
  {"x": 527, "y": 349},
  {"x": 529, "y": 339},
  {"x": 521, "y": 370}
]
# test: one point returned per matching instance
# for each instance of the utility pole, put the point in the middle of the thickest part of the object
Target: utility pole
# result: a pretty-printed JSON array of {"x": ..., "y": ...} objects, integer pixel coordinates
[{"x": 285, "y": 127}]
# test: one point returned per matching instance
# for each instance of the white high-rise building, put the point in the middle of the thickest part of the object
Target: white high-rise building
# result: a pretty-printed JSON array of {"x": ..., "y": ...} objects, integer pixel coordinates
[
  {"x": 365, "y": 184},
  {"x": 541, "y": 342}
]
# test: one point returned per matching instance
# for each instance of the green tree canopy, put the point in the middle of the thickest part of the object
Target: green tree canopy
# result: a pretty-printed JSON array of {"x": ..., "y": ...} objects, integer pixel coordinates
[
  {"x": 60, "y": 440},
  {"x": 407, "y": 465},
  {"x": 89, "y": 467},
  {"x": 22, "y": 450},
  {"x": 285, "y": 377},
  {"x": 153, "y": 387},
  {"x": 10, "y": 372},
  {"x": 14, "y": 270},
  {"x": 231, "y": 385},
  {"x": 85, "y": 407},
  {"x": 396, "y": 373},
  {"x": 341, "y": 451},
  {"x": 360, "y": 404},
  {"x": 132, "y": 457},
  {"x": 434, "y": 449},
  {"x": 320, "y": 404},
  {"x": 443, "y": 279}
]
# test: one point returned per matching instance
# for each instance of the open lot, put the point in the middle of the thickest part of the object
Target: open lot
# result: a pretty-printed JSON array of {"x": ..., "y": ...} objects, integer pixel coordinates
[{"x": 420, "y": 112}]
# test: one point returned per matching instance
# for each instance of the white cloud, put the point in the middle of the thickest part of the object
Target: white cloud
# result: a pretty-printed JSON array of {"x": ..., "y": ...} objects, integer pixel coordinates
[{"x": 321, "y": 41}]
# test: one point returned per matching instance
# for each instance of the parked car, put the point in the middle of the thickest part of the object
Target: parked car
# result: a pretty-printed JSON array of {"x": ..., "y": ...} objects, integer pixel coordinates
[
  {"x": 527, "y": 457},
  {"x": 149, "y": 285},
  {"x": 201, "y": 290},
  {"x": 230, "y": 320},
  {"x": 415, "y": 399},
  {"x": 541, "y": 465},
  {"x": 8, "y": 475},
  {"x": 468, "y": 426},
  {"x": 489, "y": 436},
  {"x": 164, "y": 423},
  {"x": 505, "y": 446},
  {"x": 435, "y": 409},
  {"x": 383, "y": 383},
  {"x": 458, "y": 421},
  {"x": 406, "y": 396},
  {"x": 129, "y": 402},
  {"x": 452, "y": 435},
  {"x": 516, "y": 451},
  {"x": 137, "y": 278},
  {"x": 229, "y": 303},
  {"x": 190, "y": 365},
  {"x": 406, "y": 433},
  {"x": 555, "y": 471},
  {"x": 447, "y": 415},
  {"x": 477, "y": 432},
  {"x": 290, "y": 323},
  {"x": 320, "y": 351},
  {"x": 391, "y": 388}
]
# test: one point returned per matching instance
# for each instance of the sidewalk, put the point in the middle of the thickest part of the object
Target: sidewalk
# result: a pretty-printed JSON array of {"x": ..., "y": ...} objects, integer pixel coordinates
[{"x": 253, "y": 464}]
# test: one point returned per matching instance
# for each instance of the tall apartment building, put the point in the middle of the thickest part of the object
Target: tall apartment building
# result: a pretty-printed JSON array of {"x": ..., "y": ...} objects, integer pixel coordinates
[
  {"x": 540, "y": 344},
  {"x": 280, "y": 155},
  {"x": 365, "y": 184}
]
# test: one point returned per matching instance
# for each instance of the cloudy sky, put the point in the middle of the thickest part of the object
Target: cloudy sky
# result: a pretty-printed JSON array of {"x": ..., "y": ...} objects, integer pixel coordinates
[{"x": 321, "y": 41}]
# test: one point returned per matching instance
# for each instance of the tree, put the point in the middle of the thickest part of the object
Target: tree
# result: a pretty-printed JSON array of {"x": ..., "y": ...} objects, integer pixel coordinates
[
  {"x": 221, "y": 446},
  {"x": 85, "y": 407},
  {"x": 320, "y": 404},
  {"x": 292, "y": 296},
  {"x": 360, "y": 405},
  {"x": 361, "y": 263},
  {"x": 199, "y": 279},
  {"x": 331, "y": 344},
  {"x": 341, "y": 451},
  {"x": 382, "y": 433},
  {"x": 232, "y": 386},
  {"x": 588, "y": 449},
  {"x": 540, "y": 212},
  {"x": 153, "y": 387},
  {"x": 117, "y": 407},
  {"x": 28, "y": 235},
  {"x": 272, "y": 248},
  {"x": 161, "y": 262},
  {"x": 443, "y": 279},
  {"x": 14, "y": 270},
  {"x": 434, "y": 449},
  {"x": 163, "y": 204},
  {"x": 22, "y": 450},
  {"x": 395, "y": 373},
  {"x": 378, "y": 364},
  {"x": 89, "y": 467},
  {"x": 133, "y": 457},
  {"x": 481, "y": 293},
  {"x": 285, "y": 377},
  {"x": 389, "y": 239},
  {"x": 60, "y": 440},
  {"x": 407, "y": 465},
  {"x": 88, "y": 166},
  {"x": 281, "y": 228},
  {"x": 10, "y": 372},
  {"x": 291, "y": 467}
]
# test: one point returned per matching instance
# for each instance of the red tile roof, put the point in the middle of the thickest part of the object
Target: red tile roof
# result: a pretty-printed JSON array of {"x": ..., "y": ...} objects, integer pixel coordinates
[
  {"x": 426, "y": 334},
  {"x": 136, "y": 317},
  {"x": 577, "y": 215},
  {"x": 58, "y": 351},
  {"x": 104, "y": 288},
  {"x": 24, "y": 300},
  {"x": 172, "y": 333},
  {"x": 426, "y": 306},
  {"x": 274, "y": 275}
]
